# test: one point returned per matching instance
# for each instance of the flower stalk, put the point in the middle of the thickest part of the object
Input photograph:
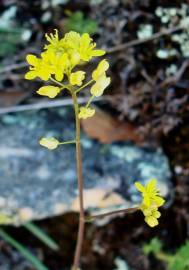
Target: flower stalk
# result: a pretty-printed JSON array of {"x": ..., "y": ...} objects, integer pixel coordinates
[{"x": 81, "y": 229}]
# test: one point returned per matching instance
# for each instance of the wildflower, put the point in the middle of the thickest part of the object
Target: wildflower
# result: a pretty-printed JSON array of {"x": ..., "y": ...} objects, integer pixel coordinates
[
  {"x": 59, "y": 64},
  {"x": 50, "y": 143},
  {"x": 77, "y": 77},
  {"x": 98, "y": 88},
  {"x": 151, "y": 214},
  {"x": 86, "y": 112},
  {"x": 49, "y": 91},
  {"x": 100, "y": 70},
  {"x": 55, "y": 45},
  {"x": 151, "y": 201},
  {"x": 60, "y": 56},
  {"x": 72, "y": 41},
  {"x": 86, "y": 48},
  {"x": 150, "y": 193},
  {"x": 38, "y": 68},
  {"x": 74, "y": 58}
]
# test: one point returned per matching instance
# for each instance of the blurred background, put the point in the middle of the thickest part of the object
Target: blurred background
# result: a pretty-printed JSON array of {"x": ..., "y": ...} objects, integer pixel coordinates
[{"x": 140, "y": 131}]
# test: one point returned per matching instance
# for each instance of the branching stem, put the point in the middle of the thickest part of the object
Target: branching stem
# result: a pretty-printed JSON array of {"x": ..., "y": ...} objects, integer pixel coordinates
[
  {"x": 121, "y": 211},
  {"x": 85, "y": 85},
  {"x": 80, "y": 185},
  {"x": 55, "y": 81},
  {"x": 68, "y": 142}
]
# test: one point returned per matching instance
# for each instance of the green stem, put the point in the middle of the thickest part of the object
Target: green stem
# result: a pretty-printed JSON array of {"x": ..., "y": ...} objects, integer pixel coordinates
[
  {"x": 41, "y": 235},
  {"x": 68, "y": 142},
  {"x": 85, "y": 85},
  {"x": 164, "y": 257},
  {"x": 55, "y": 81},
  {"x": 81, "y": 229},
  {"x": 89, "y": 101}
]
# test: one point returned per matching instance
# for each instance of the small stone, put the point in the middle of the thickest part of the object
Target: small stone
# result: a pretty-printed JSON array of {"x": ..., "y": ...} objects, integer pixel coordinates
[{"x": 38, "y": 183}]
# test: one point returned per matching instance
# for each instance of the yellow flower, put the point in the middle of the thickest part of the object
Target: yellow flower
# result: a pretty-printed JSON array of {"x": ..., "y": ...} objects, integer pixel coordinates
[
  {"x": 76, "y": 78},
  {"x": 59, "y": 64},
  {"x": 38, "y": 68},
  {"x": 55, "y": 44},
  {"x": 74, "y": 58},
  {"x": 151, "y": 214},
  {"x": 87, "y": 48},
  {"x": 82, "y": 44},
  {"x": 151, "y": 221},
  {"x": 100, "y": 70},
  {"x": 49, "y": 91},
  {"x": 150, "y": 193},
  {"x": 151, "y": 201},
  {"x": 50, "y": 143},
  {"x": 86, "y": 112},
  {"x": 98, "y": 88},
  {"x": 72, "y": 41},
  {"x": 150, "y": 210},
  {"x": 62, "y": 55}
]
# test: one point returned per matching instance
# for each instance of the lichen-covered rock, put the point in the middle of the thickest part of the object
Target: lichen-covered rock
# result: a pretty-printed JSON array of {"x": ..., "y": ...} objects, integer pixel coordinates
[{"x": 37, "y": 183}]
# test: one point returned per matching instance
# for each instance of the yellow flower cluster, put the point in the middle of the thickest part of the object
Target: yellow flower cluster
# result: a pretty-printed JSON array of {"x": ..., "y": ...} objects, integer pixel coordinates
[
  {"x": 101, "y": 82},
  {"x": 151, "y": 202},
  {"x": 60, "y": 62}
]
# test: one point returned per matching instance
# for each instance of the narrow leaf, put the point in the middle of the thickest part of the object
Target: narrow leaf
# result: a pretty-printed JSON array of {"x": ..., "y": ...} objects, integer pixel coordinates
[
  {"x": 41, "y": 235},
  {"x": 23, "y": 250}
]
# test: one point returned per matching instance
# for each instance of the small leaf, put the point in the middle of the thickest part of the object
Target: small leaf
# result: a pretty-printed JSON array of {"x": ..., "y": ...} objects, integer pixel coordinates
[
  {"x": 154, "y": 246},
  {"x": 40, "y": 234}
]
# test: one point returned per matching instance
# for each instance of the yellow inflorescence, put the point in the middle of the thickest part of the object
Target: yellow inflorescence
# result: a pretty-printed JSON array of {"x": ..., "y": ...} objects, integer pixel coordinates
[
  {"x": 61, "y": 63},
  {"x": 151, "y": 202}
]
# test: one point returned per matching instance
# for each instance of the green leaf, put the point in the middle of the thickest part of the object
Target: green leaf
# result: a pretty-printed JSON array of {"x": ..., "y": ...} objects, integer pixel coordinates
[
  {"x": 77, "y": 22},
  {"x": 23, "y": 250},
  {"x": 154, "y": 246},
  {"x": 40, "y": 234},
  {"x": 181, "y": 258}
]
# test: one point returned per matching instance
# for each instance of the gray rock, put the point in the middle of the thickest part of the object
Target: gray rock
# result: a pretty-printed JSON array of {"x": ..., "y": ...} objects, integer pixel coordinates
[{"x": 37, "y": 183}]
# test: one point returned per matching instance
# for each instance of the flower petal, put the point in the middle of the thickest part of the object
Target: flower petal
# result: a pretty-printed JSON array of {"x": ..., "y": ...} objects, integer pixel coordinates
[
  {"x": 151, "y": 221},
  {"x": 30, "y": 75},
  {"x": 151, "y": 185},
  {"x": 32, "y": 59},
  {"x": 140, "y": 187},
  {"x": 98, "y": 88},
  {"x": 98, "y": 52}
]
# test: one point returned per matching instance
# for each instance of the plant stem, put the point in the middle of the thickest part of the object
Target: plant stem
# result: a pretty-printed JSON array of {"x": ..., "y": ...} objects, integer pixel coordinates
[
  {"x": 55, "y": 81},
  {"x": 128, "y": 211},
  {"x": 164, "y": 257},
  {"x": 85, "y": 85},
  {"x": 81, "y": 229},
  {"x": 68, "y": 142},
  {"x": 89, "y": 101}
]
